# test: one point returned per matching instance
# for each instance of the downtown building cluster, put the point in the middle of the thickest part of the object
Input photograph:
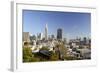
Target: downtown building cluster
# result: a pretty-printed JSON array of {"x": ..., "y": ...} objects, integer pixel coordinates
[{"x": 79, "y": 47}]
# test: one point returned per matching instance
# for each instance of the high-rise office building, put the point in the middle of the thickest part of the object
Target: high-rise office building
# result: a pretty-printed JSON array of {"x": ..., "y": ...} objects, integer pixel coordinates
[
  {"x": 52, "y": 36},
  {"x": 26, "y": 37},
  {"x": 39, "y": 36},
  {"x": 59, "y": 34},
  {"x": 46, "y": 32}
]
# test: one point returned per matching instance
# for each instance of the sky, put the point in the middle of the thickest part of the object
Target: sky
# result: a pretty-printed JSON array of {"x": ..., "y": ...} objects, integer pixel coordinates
[{"x": 73, "y": 24}]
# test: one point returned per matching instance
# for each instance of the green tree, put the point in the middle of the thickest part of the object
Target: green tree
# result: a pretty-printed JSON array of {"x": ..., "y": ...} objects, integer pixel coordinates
[
  {"x": 62, "y": 50},
  {"x": 54, "y": 57},
  {"x": 44, "y": 48},
  {"x": 27, "y": 54}
]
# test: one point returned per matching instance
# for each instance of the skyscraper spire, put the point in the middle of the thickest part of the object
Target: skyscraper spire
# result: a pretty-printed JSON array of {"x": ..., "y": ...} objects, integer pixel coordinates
[
  {"x": 46, "y": 26},
  {"x": 46, "y": 32}
]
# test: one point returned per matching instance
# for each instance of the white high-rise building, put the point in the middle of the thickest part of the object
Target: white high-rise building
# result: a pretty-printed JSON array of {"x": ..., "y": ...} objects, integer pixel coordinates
[{"x": 46, "y": 32}]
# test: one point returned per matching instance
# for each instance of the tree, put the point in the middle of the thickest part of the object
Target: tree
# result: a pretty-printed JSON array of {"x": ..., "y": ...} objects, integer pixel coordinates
[
  {"x": 44, "y": 48},
  {"x": 26, "y": 43},
  {"x": 27, "y": 54},
  {"x": 54, "y": 57}
]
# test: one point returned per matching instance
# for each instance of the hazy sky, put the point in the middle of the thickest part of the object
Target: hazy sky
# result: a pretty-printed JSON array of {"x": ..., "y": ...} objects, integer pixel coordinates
[{"x": 73, "y": 24}]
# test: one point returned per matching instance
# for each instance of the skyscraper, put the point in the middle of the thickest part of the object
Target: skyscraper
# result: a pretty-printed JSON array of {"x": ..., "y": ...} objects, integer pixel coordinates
[
  {"x": 46, "y": 32},
  {"x": 26, "y": 37},
  {"x": 59, "y": 34},
  {"x": 39, "y": 36}
]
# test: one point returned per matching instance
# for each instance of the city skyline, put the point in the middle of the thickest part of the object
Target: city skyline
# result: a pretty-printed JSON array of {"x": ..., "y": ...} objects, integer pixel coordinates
[{"x": 73, "y": 24}]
